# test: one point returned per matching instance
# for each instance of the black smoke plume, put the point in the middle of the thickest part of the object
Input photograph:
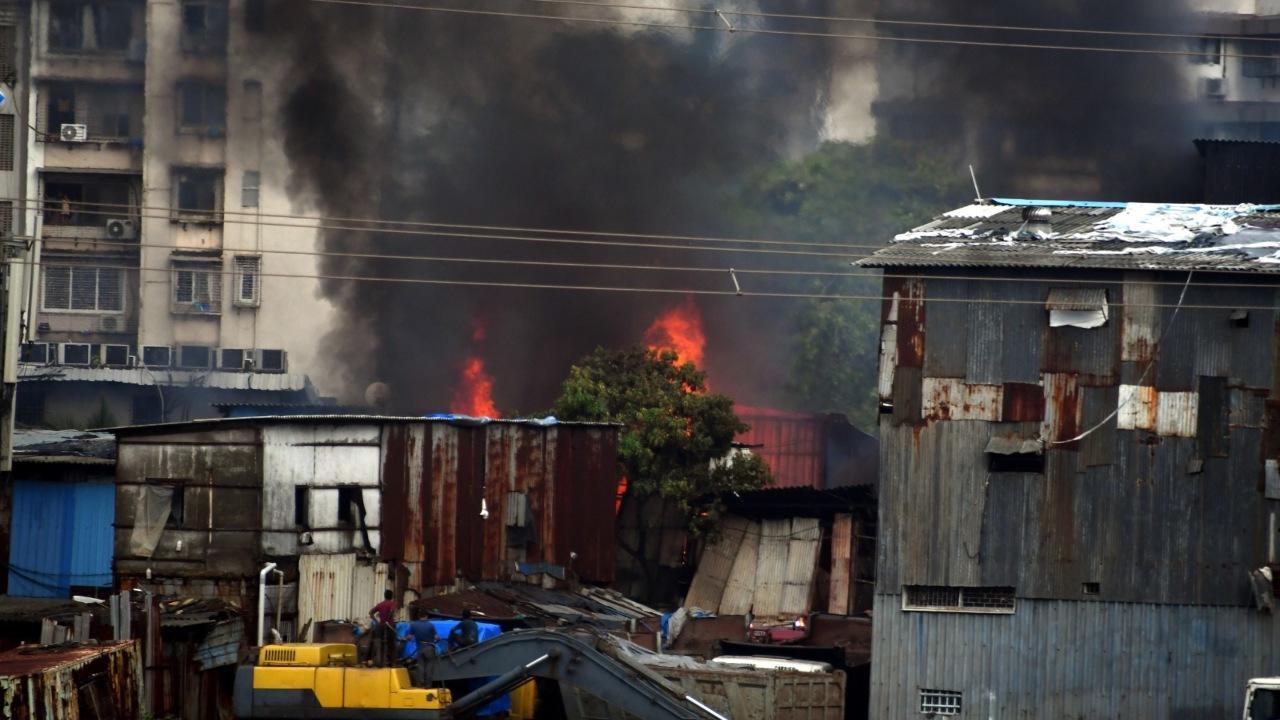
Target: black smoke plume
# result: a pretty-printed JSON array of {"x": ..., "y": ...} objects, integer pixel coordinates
[
  {"x": 426, "y": 116},
  {"x": 1044, "y": 123}
]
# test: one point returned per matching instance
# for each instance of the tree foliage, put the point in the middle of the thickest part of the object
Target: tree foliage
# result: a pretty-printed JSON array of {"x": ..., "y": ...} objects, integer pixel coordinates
[
  {"x": 852, "y": 193},
  {"x": 673, "y": 428}
]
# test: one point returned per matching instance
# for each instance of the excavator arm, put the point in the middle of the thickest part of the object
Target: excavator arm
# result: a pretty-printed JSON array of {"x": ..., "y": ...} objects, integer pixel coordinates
[{"x": 587, "y": 660}]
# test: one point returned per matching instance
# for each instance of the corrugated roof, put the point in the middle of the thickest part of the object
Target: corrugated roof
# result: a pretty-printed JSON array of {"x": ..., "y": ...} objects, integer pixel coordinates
[
  {"x": 994, "y": 233},
  {"x": 213, "y": 423},
  {"x": 64, "y": 446},
  {"x": 29, "y": 372},
  {"x": 1076, "y": 299},
  {"x": 28, "y": 660}
]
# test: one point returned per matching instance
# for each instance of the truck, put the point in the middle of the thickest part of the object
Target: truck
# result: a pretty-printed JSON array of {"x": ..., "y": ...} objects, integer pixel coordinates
[{"x": 1262, "y": 699}]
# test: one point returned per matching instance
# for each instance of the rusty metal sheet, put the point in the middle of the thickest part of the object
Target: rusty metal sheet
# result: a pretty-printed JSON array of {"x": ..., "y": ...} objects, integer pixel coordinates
[
  {"x": 1098, "y": 410},
  {"x": 1137, "y": 408},
  {"x": 338, "y": 587},
  {"x": 905, "y": 306},
  {"x": 947, "y": 330},
  {"x": 947, "y": 399},
  {"x": 1140, "y": 319},
  {"x": 1213, "y": 426},
  {"x": 843, "y": 544},
  {"x": 907, "y": 386},
  {"x": 793, "y": 444},
  {"x": 1062, "y": 411},
  {"x": 771, "y": 567},
  {"x": 53, "y": 683},
  {"x": 739, "y": 589},
  {"x": 1247, "y": 408},
  {"x": 802, "y": 565},
  {"x": 1176, "y": 413},
  {"x": 1022, "y": 402}
]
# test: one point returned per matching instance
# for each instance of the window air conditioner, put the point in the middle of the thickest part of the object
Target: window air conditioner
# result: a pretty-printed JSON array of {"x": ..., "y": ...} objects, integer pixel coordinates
[
  {"x": 73, "y": 132},
  {"x": 233, "y": 359},
  {"x": 115, "y": 355},
  {"x": 38, "y": 353},
  {"x": 195, "y": 357},
  {"x": 157, "y": 356},
  {"x": 1215, "y": 87},
  {"x": 121, "y": 229},
  {"x": 271, "y": 360},
  {"x": 75, "y": 354}
]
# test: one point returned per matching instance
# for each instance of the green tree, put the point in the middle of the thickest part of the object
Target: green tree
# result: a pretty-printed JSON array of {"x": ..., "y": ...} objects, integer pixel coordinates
[
  {"x": 854, "y": 193},
  {"x": 673, "y": 431}
]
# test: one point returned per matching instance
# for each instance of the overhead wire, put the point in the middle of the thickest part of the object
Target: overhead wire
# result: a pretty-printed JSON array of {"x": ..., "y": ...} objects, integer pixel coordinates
[{"x": 722, "y": 28}]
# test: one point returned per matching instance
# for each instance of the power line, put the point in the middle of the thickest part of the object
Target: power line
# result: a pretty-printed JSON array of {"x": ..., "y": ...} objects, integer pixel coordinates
[
  {"x": 722, "y": 28},
  {"x": 645, "y": 289},
  {"x": 909, "y": 23}
]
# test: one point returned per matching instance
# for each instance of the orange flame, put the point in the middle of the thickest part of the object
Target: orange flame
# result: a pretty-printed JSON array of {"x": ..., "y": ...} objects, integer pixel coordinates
[
  {"x": 474, "y": 395},
  {"x": 679, "y": 329}
]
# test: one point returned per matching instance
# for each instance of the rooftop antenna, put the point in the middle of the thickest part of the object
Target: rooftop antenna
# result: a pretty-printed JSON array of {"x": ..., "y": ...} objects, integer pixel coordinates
[{"x": 974, "y": 177}]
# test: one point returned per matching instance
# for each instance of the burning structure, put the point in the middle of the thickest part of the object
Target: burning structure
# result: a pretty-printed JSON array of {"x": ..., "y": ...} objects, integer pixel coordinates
[{"x": 1078, "y": 490}]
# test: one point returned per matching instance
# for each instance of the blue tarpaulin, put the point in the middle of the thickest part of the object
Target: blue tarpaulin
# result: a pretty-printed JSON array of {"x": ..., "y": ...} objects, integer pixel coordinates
[{"x": 443, "y": 628}]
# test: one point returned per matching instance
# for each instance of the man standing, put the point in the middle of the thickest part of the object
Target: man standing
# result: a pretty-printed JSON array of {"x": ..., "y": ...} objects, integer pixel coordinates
[
  {"x": 465, "y": 634},
  {"x": 383, "y": 640}
]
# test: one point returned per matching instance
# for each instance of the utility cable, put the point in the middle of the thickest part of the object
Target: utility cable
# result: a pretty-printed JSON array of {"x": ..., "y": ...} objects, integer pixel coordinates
[{"x": 786, "y": 33}]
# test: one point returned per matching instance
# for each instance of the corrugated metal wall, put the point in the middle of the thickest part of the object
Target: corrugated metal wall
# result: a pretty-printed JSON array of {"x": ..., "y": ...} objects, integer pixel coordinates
[
  {"x": 1066, "y": 659},
  {"x": 61, "y": 536},
  {"x": 338, "y": 587}
]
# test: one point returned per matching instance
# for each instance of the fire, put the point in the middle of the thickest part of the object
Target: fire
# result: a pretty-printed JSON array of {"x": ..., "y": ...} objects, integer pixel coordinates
[
  {"x": 679, "y": 329},
  {"x": 474, "y": 395}
]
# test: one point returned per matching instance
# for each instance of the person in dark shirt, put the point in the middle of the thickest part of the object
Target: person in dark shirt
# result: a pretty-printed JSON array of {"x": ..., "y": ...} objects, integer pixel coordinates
[
  {"x": 383, "y": 641},
  {"x": 423, "y": 632},
  {"x": 465, "y": 634}
]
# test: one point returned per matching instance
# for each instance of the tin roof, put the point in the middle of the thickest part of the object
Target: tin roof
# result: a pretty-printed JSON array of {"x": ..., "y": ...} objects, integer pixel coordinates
[
  {"x": 216, "y": 379},
  {"x": 64, "y": 446},
  {"x": 1145, "y": 236},
  {"x": 219, "y": 423},
  {"x": 31, "y": 660}
]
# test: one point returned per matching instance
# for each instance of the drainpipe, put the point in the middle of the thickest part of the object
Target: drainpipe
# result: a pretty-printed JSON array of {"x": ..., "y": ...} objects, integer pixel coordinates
[{"x": 262, "y": 599}]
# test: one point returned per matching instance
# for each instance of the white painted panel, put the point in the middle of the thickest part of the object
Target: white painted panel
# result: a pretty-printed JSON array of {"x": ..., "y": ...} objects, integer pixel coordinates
[
  {"x": 888, "y": 360},
  {"x": 337, "y": 587},
  {"x": 1136, "y": 408},
  {"x": 951, "y": 399},
  {"x": 1176, "y": 414}
]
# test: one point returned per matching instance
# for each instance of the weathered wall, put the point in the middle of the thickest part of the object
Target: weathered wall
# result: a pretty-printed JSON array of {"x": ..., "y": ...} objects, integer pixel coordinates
[
  {"x": 436, "y": 475},
  {"x": 1162, "y": 504},
  {"x": 1065, "y": 659},
  {"x": 219, "y": 473}
]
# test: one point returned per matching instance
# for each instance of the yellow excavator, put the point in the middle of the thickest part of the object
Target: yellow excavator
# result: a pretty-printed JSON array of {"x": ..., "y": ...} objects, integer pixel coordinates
[{"x": 314, "y": 681}]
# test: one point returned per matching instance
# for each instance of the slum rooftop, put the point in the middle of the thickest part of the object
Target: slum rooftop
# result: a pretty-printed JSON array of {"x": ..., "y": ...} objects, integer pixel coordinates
[
  {"x": 1125, "y": 236},
  {"x": 340, "y": 419}
]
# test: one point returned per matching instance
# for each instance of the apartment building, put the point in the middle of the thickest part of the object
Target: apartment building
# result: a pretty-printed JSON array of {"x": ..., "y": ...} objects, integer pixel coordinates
[
  {"x": 1238, "y": 73},
  {"x": 154, "y": 186}
]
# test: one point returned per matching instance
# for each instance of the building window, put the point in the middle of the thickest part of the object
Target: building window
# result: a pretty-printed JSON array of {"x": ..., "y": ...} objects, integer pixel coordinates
[
  {"x": 83, "y": 26},
  {"x": 177, "y": 507},
  {"x": 248, "y": 287},
  {"x": 197, "y": 194},
  {"x": 350, "y": 504},
  {"x": 1208, "y": 50},
  {"x": 197, "y": 289},
  {"x": 255, "y": 15},
  {"x": 87, "y": 200},
  {"x": 938, "y": 598},
  {"x": 1077, "y": 307},
  {"x": 6, "y": 142},
  {"x": 940, "y": 702},
  {"x": 202, "y": 108},
  {"x": 81, "y": 288},
  {"x": 301, "y": 506},
  {"x": 8, "y": 54},
  {"x": 249, "y": 188},
  {"x": 109, "y": 112},
  {"x": 204, "y": 27}
]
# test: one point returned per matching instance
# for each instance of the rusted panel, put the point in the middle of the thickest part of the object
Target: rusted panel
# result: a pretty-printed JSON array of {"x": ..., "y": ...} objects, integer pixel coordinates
[
  {"x": 1213, "y": 427},
  {"x": 1140, "y": 319},
  {"x": 947, "y": 399},
  {"x": 396, "y": 506},
  {"x": 71, "y": 683},
  {"x": 1137, "y": 405},
  {"x": 906, "y": 306},
  {"x": 842, "y": 544},
  {"x": 1176, "y": 413},
  {"x": 499, "y": 449},
  {"x": 907, "y": 400},
  {"x": 469, "y": 535},
  {"x": 1247, "y": 407},
  {"x": 1022, "y": 402},
  {"x": 1062, "y": 411},
  {"x": 1090, "y": 353},
  {"x": 443, "y": 492}
]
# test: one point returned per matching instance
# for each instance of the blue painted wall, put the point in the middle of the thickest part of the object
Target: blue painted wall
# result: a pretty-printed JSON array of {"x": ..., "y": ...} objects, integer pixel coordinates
[{"x": 62, "y": 536}]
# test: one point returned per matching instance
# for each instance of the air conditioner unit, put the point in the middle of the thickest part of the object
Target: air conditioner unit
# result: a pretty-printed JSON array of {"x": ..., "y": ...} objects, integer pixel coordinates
[
  {"x": 271, "y": 360},
  {"x": 73, "y": 132},
  {"x": 233, "y": 359},
  {"x": 1214, "y": 87},
  {"x": 114, "y": 355},
  {"x": 195, "y": 357},
  {"x": 109, "y": 324},
  {"x": 75, "y": 354},
  {"x": 132, "y": 361},
  {"x": 157, "y": 356},
  {"x": 38, "y": 353},
  {"x": 121, "y": 229}
]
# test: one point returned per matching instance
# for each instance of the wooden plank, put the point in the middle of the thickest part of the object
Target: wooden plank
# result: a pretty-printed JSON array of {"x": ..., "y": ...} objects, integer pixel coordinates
[
  {"x": 739, "y": 590},
  {"x": 841, "y": 564},
  {"x": 802, "y": 565},
  {"x": 715, "y": 566}
]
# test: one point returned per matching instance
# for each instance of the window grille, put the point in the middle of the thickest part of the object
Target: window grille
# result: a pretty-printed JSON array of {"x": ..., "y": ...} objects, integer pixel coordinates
[
  {"x": 6, "y": 218},
  {"x": 958, "y": 599},
  {"x": 8, "y": 53},
  {"x": 248, "y": 287},
  {"x": 197, "y": 289},
  {"x": 82, "y": 288},
  {"x": 6, "y": 142},
  {"x": 940, "y": 702}
]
